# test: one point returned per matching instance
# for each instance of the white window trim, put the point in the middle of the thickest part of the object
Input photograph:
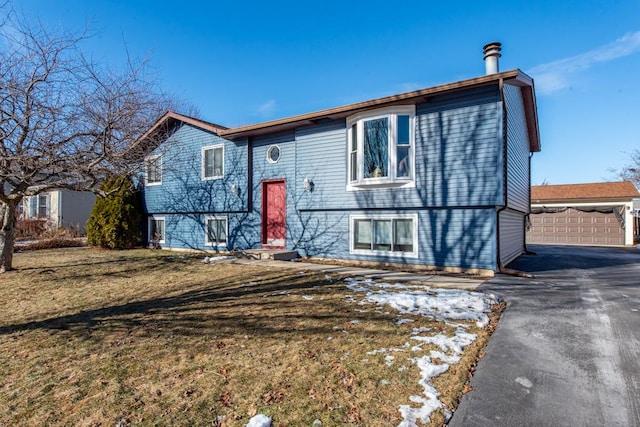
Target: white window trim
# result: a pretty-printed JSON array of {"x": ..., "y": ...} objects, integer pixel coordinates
[
  {"x": 206, "y": 230},
  {"x": 354, "y": 251},
  {"x": 391, "y": 181},
  {"x": 271, "y": 147},
  {"x": 146, "y": 170},
  {"x": 156, "y": 218},
  {"x": 34, "y": 206},
  {"x": 212, "y": 147}
]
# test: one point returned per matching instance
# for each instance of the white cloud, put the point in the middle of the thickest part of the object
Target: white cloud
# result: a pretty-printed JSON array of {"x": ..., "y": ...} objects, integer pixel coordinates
[
  {"x": 267, "y": 108},
  {"x": 554, "y": 76}
]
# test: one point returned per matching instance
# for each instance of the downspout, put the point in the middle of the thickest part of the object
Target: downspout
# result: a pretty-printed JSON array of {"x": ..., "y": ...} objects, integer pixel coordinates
[
  {"x": 528, "y": 216},
  {"x": 59, "y": 208},
  {"x": 249, "y": 174}
]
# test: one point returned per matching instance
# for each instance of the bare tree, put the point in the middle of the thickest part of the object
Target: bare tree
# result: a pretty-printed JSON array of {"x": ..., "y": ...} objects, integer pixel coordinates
[
  {"x": 65, "y": 121},
  {"x": 631, "y": 172}
]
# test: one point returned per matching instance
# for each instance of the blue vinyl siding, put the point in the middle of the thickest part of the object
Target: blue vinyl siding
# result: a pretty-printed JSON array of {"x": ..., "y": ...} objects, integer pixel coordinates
[
  {"x": 183, "y": 190},
  {"x": 446, "y": 237},
  {"x": 184, "y": 199},
  {"x": 458, "y": 151},
  {"x": 518, "y": 182},
  {"x": 512, "y": 223},
  {"x": 187, "y": 231},
  {"x": 322, "y": 158},
  {"x": 512, "y": 228}
]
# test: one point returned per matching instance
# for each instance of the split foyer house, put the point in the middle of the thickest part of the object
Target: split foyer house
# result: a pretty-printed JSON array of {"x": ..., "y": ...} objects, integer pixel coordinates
[{"x": 435, "y": 177}]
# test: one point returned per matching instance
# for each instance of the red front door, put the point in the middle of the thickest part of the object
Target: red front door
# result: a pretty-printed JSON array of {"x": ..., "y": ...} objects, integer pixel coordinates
[{"x": 274, "y": 209}]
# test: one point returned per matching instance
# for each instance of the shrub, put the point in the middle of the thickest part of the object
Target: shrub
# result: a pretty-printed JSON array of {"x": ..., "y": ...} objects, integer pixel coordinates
[
  {"x": 115, "y": 220},
  {"x": 30, "y": 228},
  {"x": 53, "y": 243}
]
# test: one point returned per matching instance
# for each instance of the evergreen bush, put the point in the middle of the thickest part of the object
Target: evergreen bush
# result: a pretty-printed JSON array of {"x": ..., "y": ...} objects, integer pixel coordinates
[{"x": 115, "y": 221}]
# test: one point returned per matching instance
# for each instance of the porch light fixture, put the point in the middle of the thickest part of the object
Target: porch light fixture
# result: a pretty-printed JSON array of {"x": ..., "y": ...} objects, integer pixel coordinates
[
  {"x": 307, "y": 184},
  {"x": 234, "y": 189}
]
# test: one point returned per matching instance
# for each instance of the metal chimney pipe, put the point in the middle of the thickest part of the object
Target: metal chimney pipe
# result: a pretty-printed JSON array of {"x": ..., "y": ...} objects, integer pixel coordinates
[{"x": 491, "y": 55}]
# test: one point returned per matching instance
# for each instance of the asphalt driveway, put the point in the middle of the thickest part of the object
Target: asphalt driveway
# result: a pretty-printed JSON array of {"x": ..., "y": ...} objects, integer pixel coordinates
[{"x": 567, "y": 349}]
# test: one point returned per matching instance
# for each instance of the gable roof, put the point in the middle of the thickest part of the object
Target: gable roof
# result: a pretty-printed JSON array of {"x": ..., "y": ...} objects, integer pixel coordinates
[
  {"x": 153, "y": 136},
  {"x": 170, "y": 118},
  {"x": 515, "y": 77},
  {"x": 597, "y": 190}
]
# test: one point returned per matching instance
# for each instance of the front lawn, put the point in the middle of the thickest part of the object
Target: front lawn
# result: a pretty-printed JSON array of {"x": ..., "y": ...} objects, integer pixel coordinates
[{"x": 142, "y": 337}]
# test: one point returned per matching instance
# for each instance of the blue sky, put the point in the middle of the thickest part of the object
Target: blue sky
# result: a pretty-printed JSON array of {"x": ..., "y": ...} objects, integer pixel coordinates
[{"x": 246, "y": 62}]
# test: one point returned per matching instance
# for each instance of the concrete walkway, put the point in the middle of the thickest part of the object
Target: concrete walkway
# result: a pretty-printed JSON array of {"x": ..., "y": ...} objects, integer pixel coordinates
[{"x": 435, "y": 280}]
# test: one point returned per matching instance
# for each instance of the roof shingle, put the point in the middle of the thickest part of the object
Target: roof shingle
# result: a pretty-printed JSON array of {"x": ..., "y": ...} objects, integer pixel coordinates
[{"x": 597, "y": 190}]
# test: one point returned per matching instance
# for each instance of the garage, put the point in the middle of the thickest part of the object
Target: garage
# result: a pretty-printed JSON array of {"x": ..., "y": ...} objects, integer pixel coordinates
[
  {"x": 598, "y": 214},
  {"x": 576, "y": 227}
]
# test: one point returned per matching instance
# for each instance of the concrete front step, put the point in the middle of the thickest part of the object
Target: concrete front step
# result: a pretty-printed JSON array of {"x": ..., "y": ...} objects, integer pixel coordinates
[{"x": 273, "y": 254}]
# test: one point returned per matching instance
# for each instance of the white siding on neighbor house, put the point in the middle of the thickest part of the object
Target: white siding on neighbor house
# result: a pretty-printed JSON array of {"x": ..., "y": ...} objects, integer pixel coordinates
[{"x": 512, "y": 234}]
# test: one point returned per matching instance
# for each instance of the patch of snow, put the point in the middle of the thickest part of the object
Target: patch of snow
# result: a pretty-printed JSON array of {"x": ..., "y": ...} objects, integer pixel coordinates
[
  {"x": 216, "y": 259},
  {"x": 355, "y": 321},
  {"x": 307, "y": 297},
  {"x": 384, "y": 382},
  {"x": 441, "y": 304},
  {"x": 524, "y": 382},
  {"x": 259, "y": 420},
  {"x": 446, "y": 305},
  {"x": 403, "y": 321}
]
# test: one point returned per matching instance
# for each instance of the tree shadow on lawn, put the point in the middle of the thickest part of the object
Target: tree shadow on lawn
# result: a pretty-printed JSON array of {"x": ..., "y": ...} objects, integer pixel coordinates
[
  {"x": 277, "y": 306},
  {"x": 125, "y": 260}
]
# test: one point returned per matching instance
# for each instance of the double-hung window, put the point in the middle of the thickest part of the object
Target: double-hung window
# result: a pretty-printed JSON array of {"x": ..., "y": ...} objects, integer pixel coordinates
[
  {"x": 39, "y": 206},
  {"x": 216, "y": 231},
  {"x": 381, "y": 148},
  {"x": 156, "y": 230},
  {"x": 385, "y": 235},
  {"x": 153, "y": 170},
  {"x": 213, "y": 162}
]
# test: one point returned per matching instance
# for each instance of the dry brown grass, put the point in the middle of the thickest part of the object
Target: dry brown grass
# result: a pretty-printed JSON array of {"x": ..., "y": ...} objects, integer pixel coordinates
[{"x": 90, "y": 338}]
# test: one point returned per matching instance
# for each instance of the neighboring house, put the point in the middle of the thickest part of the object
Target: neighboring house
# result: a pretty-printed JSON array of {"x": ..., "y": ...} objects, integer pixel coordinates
[
  {"x": 583, "y": 214},
  {"x": 60, "y": 208},
  {"x": 435, "y": 177}
]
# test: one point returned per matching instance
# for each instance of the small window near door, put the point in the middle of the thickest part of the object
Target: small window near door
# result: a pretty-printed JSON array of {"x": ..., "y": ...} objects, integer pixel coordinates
[{"x": 156, "y": 230}]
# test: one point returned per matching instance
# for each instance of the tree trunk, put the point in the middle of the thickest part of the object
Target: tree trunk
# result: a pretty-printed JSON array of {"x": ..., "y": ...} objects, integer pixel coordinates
[{"x": 8, "y": 224}]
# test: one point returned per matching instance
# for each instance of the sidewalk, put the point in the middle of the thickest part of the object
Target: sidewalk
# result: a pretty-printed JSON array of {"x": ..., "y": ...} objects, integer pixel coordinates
[{"x": 437, "y": 281}]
